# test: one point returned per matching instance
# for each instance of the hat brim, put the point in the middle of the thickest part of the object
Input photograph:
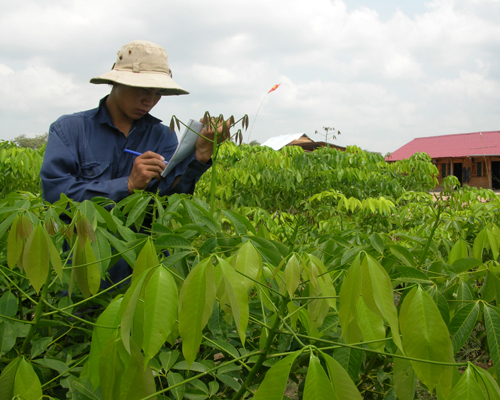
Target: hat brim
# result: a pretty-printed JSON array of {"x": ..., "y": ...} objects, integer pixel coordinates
[{"x": 141, "y": 79}]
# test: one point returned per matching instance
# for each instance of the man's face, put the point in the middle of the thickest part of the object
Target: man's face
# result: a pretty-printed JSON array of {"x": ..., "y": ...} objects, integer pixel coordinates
[{"x": 135, "y": 102}]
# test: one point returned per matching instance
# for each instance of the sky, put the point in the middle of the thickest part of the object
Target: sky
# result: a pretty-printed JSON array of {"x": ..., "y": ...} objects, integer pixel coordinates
[{"x": 380, "y": 72}]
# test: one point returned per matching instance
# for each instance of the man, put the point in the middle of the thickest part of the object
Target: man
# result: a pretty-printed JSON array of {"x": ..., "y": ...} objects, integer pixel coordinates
[{"x": 85, "y": 157}]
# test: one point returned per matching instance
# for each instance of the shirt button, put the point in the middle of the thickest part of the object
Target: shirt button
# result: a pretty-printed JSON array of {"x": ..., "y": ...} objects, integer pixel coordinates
[{"x": 91, "y": 172}]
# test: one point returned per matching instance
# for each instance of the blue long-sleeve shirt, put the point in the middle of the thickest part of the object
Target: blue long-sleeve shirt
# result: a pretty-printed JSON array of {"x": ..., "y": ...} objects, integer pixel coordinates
[{"x": 84, "y": 157}]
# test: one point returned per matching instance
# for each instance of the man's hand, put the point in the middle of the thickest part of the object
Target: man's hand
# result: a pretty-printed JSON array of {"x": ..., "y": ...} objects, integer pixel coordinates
[
  {"x": 146, "y": 167},
  {"x": 205, "y": 148}
]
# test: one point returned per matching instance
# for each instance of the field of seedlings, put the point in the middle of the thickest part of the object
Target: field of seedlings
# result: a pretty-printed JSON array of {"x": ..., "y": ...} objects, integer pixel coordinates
[{"x": 288, "y": 275}]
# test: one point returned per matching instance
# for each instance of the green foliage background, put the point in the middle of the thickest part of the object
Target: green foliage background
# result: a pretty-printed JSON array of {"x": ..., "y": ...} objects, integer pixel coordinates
[{"x": 332, "y": 270}]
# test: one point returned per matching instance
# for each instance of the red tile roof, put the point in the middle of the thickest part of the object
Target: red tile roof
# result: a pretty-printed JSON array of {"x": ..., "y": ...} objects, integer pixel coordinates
[{"x": 459, "y": 145}]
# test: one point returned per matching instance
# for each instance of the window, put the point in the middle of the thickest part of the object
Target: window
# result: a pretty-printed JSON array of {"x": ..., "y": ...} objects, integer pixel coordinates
[
  {"x": 443, "y": 170},
  {"x": 480, "y": 169}
]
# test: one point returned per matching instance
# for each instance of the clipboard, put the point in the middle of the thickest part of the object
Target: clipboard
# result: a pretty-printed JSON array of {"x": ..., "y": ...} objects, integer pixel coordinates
[{"x": 187, "y": 145}]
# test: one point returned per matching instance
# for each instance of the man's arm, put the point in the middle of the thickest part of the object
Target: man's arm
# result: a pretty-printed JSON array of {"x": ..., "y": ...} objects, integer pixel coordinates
[{"x": 61, "y": 168}]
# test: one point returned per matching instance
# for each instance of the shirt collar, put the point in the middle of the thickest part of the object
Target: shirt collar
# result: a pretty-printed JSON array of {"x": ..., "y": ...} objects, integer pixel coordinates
[{"x": 102, "y": 116}]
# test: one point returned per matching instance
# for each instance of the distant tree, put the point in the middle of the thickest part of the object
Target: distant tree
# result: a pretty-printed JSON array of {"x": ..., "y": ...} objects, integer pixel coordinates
[
  {"x": 254, "y": 143},
  {"x": 33, "y": 143}
]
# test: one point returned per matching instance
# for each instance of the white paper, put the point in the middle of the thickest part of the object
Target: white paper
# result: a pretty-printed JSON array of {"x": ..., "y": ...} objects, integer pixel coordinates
[{"x": 187, "y": 145}]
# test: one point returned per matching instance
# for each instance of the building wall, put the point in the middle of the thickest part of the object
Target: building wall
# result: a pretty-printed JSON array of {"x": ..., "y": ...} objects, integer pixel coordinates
[{"x": 480, "y": 170}]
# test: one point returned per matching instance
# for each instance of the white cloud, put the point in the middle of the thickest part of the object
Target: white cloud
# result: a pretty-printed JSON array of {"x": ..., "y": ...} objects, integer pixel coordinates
[{"x": 381, "y": 77}]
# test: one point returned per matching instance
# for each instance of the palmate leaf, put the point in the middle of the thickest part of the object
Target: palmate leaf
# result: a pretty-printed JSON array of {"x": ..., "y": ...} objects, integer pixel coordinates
[
  {"x": 55, "y": 258},
  {"x": 196, "y": 301},
  {"x": 318, "y": 386},
  {"x": 492, "y": 324},
  {"x": 160, "y": 308},
  {"x": 138, "y": 381},
  {"x": 467, "y": 388},
  {"x": 36, "y": 258},
  {"x": 462, "y": 325},
  {"x": 426, "y": 337},
  {"x": 343, "y": 385},
  {"x": 274, "y": 383}
]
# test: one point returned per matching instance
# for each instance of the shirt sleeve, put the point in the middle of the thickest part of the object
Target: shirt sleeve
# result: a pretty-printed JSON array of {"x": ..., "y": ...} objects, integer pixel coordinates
[{"x": 60, "y": 171}]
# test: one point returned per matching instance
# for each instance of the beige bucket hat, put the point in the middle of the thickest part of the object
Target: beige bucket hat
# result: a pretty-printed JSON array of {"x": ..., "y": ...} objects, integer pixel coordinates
[{"x": 142, "y": 64}]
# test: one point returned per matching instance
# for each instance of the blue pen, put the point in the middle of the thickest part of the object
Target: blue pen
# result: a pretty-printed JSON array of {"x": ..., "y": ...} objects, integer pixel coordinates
[{"x": 136, "y": 153}]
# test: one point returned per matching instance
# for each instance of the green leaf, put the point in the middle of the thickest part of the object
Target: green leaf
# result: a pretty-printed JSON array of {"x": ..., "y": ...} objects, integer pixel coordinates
[
  {"x": 138, "y": 210},
  {"x": 84, "y": 386},
  {"x": 317, "y": 386},
  {"x": 487, "y": 382},
  {"x": 274, "y": 384},
  {"x": 491, "y": 287},
  {"x": 56, "y": 365},
  {"x": 462, "y": 325},
  {"x": 15, "y": 244},
  {"x": 480, "y": 244},
  {"x": 492, "y": 324},
  {"x": 350, "y": 292},
  {"x": 128, "y": 306},
  {"x": 171, "y": 241},
  {"x": 350, "y": 360},
  {"x": 196, "y": 366},
  {"x": 7, "y": 379},
  {"x": 109, "y": 319},
  {"x": 55, "y": 258},
  {"x": 160, "y": 308},
  {"x": 93, "y": 274},
  {"x": 196, "y": 301},
  {"x": 342, "y": 383},
  {"x": 467, "y": 388},
  {"x": 27, "y": 385},
  {"x": 147, "y": 258},
  {"x": 8, "y": 304},
  {"x": 138, "y": 381},
  {"x": 405, "y": 379},
  {"x": 459, "y": 250},
  {"x": 378, "y": 294},
  {"x": 377, "y": 242},
  {"x": 7, "y": 337},
  {"x": 102, "y": 251},
  {"x": 238, "y": 297},
  {"x": 36, "y": 258},
  {"x": 168, "y": 359},
  {"x": 461, "y": 265},
  {"x": 403, "y": 255},
  {"x": 292, "y": 275},
  {"x": 174, "y": 378},
  {"x": 241, "y": 224},
  {"x": 40, "y": 345},
  {"x": 465, "y": 293},
  {"x": 371, "y": 325},
  {"x": 425, "y": 336},
  {"x": 249, "y": 263}
]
